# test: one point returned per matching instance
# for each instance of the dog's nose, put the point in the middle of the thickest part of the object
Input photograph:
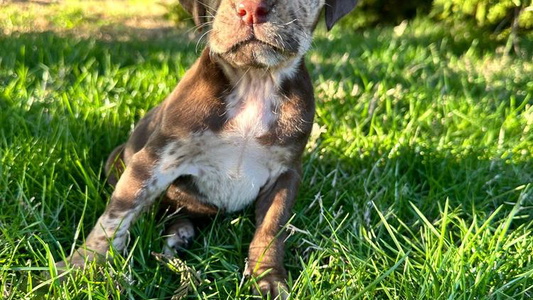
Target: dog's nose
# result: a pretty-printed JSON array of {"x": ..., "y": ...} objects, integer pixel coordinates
[{"x": 253, "y": 11}]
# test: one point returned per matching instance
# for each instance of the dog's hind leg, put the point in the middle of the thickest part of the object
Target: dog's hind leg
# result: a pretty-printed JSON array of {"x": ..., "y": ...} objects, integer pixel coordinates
[
  {"x": 189, "y": 212},
  {"x": 179, "y": 236}
]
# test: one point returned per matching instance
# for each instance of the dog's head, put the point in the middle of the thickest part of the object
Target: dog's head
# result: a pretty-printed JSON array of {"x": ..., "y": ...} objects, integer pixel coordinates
[{"x": 263, "y": 33}]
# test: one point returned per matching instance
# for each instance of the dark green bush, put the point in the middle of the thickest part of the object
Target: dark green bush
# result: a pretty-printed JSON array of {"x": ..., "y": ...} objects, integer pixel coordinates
[
  {"x": 177, "y": 14},
  {"x": 495, "y": 14},
  {"x": 373, "y": 12}
]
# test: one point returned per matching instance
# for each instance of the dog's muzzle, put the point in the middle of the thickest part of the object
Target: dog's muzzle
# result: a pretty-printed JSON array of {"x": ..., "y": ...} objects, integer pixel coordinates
[{"x": 252, "y": 33}]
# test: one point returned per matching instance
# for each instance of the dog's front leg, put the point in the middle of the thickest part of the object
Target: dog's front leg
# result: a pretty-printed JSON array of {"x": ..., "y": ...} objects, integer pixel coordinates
[
  {"x": 265, "y": 258},
  {"x": 142, "y": 181}
]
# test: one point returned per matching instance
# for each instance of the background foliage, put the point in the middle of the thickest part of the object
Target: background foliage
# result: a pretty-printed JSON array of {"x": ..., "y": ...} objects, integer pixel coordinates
[
  {"x": 494, "y": 15},
  {"x": 497, "y": 14}
]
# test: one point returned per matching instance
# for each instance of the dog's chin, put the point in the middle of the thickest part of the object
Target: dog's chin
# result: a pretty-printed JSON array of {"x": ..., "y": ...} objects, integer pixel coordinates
[{"x": 256, "y": 54}]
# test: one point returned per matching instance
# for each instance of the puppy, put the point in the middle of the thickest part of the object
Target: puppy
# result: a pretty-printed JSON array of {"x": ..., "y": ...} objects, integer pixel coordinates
[{"x": 232, "y": 133}]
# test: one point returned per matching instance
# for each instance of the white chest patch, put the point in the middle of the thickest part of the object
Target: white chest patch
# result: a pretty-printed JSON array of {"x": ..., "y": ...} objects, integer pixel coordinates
[
  {"x": 229, "y": 168},
  {"x": 231, "y": 172},
  {"x": 252, "y": 105}
]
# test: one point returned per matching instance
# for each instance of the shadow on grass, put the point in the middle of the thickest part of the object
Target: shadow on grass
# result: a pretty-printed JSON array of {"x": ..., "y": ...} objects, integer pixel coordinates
[
  {"x": 52, "y": 49},
  {"x": 36, "y": 67}
]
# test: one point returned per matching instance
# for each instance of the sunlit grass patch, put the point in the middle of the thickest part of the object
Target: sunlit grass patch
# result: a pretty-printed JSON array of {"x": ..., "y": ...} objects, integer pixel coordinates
[{"x": 417, "y": 182}]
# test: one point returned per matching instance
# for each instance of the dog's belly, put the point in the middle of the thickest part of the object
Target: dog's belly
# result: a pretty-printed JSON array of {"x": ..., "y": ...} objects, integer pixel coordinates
[
  {"x": 228, "y": 171},
  {"x": 231, "y": 177}
]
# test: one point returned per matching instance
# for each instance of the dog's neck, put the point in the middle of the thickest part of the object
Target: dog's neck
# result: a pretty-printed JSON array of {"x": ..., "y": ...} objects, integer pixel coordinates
[{"x": 255, "y": 94}]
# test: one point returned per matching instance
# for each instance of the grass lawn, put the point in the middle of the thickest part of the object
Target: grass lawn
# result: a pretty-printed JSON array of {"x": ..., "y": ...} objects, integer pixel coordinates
[{"x": 418, "y": 180}]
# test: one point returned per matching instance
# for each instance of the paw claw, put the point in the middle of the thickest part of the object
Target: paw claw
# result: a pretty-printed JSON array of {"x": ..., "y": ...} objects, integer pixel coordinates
[{"x": 179, "y": 237}]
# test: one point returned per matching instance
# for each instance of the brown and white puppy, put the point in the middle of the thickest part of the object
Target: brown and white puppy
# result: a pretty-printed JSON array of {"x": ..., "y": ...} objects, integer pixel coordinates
[{"x": 230, "y": 134}]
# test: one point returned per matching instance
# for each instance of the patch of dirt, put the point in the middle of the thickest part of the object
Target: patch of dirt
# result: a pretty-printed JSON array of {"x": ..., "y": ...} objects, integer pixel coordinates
[{"x": 106, "y": 19}]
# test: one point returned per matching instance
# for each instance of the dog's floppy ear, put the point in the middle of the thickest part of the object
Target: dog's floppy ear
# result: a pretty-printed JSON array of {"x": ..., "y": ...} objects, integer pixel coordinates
[
  {"x": 336, "y": 9},
  {"x": 197, "y": 10}
]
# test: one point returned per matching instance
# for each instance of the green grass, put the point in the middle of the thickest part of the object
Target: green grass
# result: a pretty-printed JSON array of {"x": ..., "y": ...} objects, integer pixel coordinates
[{"x": 417, "y": 182}]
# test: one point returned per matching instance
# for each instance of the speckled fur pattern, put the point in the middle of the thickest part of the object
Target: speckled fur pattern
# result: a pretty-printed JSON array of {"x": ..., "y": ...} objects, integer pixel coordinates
[{"x": 231, "y": 134}]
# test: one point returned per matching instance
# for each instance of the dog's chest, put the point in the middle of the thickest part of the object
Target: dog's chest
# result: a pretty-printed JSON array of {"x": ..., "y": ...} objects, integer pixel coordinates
[
  {"x": 230, "y": 167},
  {"x": 231, "y": 171}
]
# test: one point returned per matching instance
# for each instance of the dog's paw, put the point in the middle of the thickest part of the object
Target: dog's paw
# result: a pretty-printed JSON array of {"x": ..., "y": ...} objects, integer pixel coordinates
[
  {"x": 179, "y": 236},
  {"x": 79, "y": 259},
  {"x": 76, "y": 261},
  {"x": 272, "y": 287}
]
